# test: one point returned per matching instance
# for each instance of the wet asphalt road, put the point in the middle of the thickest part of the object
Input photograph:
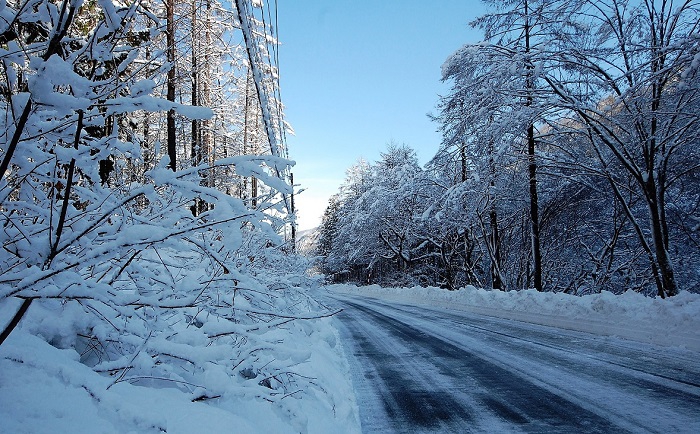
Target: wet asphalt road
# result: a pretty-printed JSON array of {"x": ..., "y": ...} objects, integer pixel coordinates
[{"x": 417, "y": 369}]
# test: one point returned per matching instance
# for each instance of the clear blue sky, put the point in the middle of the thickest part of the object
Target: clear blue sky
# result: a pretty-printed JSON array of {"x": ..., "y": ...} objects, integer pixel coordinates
[{"x": 357, "y": 74}]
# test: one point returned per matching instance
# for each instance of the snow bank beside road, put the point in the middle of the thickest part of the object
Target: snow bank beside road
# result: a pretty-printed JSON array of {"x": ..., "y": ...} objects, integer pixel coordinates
[
  {"x": 670, "y": 322},
  {"x": 45, "y": 388}
]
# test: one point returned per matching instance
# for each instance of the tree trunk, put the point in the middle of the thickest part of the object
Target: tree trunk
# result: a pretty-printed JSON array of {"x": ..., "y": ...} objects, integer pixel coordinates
[
  {"x": 195, "y": 142},
  {"x": 195, "y": 153},
  {"x": 666, "y": 282},
  {"x": 147, "y": 148},
  {"x": 655, "y": 190},
  {"x": 170, "y": 40},
  {"x": 496, "y": 280},
  {"x": 16, "y": 319},
  {"x": 534, "y": 211},
  {"x": 463, "y": 159},
  {"x": 495, "y": 238},
  {"x": 532, "y": 170},
  {"x": 294, "y": 226}
]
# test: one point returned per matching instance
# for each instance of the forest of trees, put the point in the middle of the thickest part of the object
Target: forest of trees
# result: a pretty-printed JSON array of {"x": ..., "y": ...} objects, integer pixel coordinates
[{"x": 569, "y": 161}]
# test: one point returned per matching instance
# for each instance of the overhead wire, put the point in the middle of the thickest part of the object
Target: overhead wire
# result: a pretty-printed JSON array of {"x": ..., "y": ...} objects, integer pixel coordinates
[
  {"x": 255, "y": 59},
  {"x": 272, "y": 46},
  {"x": 283, "y": 130},
  {"x": 272, "y": 55},
  {"x": 274, "y": 30}
]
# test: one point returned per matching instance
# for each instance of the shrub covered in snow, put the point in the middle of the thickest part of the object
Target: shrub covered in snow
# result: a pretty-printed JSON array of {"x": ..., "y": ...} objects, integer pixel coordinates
[{"x": 128, "y": 296}]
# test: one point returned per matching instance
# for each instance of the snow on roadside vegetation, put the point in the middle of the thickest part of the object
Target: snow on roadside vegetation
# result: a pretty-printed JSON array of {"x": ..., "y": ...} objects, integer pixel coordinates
[
  {"x": 151, "y": 301},
  {"x": 671, "y": 322},
  {"x": 46, "y": 385}
]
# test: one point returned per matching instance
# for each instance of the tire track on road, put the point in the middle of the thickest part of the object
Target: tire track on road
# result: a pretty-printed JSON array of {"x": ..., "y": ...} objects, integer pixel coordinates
[{"x": 475, "y": 393}]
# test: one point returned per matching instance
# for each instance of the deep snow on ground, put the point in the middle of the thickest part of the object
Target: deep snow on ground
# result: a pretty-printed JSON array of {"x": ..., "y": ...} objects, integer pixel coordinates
[
  {"x": 671, "y": 322},
  {"x": 46, "y": 389}
]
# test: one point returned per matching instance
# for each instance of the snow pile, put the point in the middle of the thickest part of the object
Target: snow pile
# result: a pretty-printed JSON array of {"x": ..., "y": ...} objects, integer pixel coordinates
[
  {"x": 46, "y": 385},
  {"x": 673, "y": 321}
]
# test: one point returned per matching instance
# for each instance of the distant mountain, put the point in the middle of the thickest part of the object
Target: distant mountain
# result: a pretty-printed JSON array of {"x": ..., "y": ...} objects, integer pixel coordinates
[{"x": 307, "y": 241}]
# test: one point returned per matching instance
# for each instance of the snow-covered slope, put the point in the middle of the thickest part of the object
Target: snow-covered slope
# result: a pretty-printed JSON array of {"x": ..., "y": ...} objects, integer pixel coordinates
[{"x": 671, "y": 322}]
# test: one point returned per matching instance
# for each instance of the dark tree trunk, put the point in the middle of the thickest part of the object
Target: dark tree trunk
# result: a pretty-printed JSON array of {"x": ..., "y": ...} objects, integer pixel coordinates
[
  {"x": 532, "y": 169},
  {"x": 170, "y": 40},
  {"x": 495, "y": 238},
  {"x": 463, "y": 158},
  {"x": 534, "y": 211},
  {"x": 294, "y": 226},
  {"x": 666, "y": 281},
  {"x": 196, "y": 146},
  {"x": 496, "y": 280}
]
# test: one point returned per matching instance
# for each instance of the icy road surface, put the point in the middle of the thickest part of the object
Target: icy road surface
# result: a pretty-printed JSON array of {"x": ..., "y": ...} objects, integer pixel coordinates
[{"x": 417, "y": 369}]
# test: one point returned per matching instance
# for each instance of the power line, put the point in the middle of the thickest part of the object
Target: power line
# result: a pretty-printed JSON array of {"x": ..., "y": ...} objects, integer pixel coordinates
[{"x": 256, "y": 60}]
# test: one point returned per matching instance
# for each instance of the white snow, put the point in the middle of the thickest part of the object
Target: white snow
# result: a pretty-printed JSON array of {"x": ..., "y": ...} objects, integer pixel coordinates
[
  {"x": 637, "y": 387},
  {"x": 46, "y": 389},
  {"x": 669, "y": 322}
]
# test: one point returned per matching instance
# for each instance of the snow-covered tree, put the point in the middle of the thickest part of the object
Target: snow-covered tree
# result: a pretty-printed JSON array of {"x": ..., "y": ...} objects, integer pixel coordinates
[
  {"x": 604, "y": 91},
  {"x": 638, "y": 108},
  {"x": 115, "y": 265}
]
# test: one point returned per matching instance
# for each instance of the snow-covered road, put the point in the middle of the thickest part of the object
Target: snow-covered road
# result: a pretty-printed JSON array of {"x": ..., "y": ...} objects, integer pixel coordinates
[{"x": 419, "y": 369}]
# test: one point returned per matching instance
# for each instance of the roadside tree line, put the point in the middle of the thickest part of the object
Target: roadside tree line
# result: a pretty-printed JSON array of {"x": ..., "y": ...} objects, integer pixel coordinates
[{"x": 569, "y": 160}]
